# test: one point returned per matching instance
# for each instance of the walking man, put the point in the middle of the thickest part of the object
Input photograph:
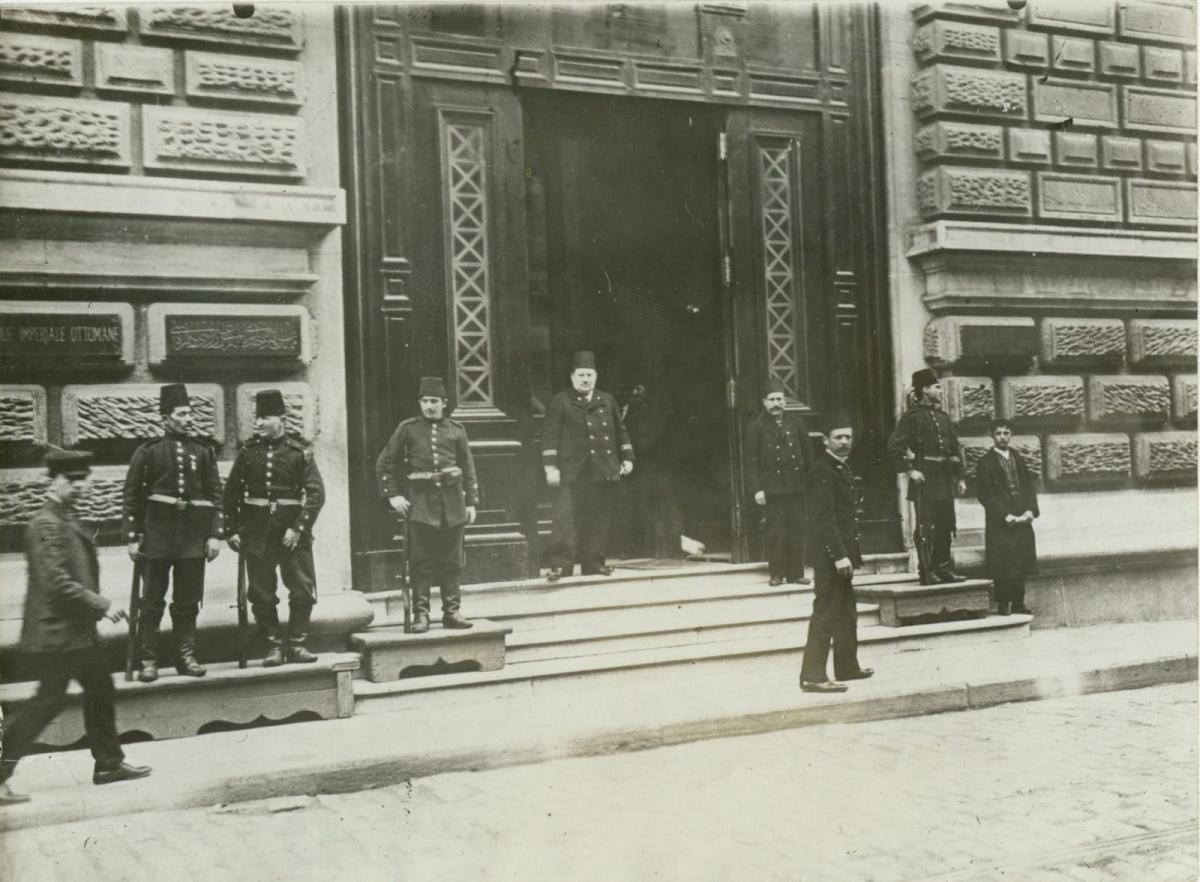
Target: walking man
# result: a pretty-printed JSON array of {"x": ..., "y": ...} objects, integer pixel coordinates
[
  {"x": 427, "y": 475},
  {"x": 923, "y": 446},
  {"x": 172, "y": 516},
  {"x": 833, "y": 545},
  {"x": 585, "y": 451},
  {"x": 62, "y": 605},
  {"x": 1005, "y": 489},
  {"x": 272, "y": 499},
  {"x": 778, "y": 455}
]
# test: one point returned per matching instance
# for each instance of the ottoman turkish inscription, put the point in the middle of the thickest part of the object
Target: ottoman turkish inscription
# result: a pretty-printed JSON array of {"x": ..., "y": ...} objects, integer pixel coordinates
[{"x": 207, "y": 336}]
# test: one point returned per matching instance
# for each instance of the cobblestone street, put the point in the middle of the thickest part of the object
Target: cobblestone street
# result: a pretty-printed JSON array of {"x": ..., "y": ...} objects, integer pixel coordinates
[{"x": 1090, "y": 788}]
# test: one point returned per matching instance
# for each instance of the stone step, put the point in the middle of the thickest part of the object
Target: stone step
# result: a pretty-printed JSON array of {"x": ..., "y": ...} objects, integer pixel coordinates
[
  {"x": 900, "y": 602},
  {"x": 391, "y": 654}
]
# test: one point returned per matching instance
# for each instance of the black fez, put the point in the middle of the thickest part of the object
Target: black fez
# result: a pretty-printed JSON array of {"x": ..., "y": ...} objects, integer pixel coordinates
[
  {"x": 922, "y": 378},
  {"x": 72, "y": 463},
  {"x": 432, "y": 387},
  {"x": 838, "y": 419},
  {"x": 584, "y": 359},
  {"x": 172, "y": 396},
  {"x": 774, "y": 384},
  {"x": 269, "y": 403}
]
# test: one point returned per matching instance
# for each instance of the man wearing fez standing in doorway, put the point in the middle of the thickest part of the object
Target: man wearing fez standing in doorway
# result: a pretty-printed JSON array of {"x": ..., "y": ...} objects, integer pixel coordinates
[
  {"x": 585, "y": 451},
  {"x": 778, "y": 454},
  {"x": 272, "y": 499},
  {"x": 172, "y": 520},
  {"x": 427, "y": 475}
]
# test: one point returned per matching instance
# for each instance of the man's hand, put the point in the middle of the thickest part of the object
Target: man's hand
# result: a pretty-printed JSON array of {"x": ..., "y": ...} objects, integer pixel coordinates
[
  {"x": 962, "y": 487},
  {"x": 116, "y": 614},
  {"x": 843, "y": 566},
  {"x": 553, "y": 476},
  {"x": 135, "y": 551},
  {"x": 1013, "y": 519},
  {"x": 212, "y": 548},
  {"x": 761, "y": 497},
  {"x": 916, "y": 476},
  {"x": 235, "y": 542},
  {"x": 626, "y": 467},
  {"x": 470, "y": 514},
  {"x": 291, "y": 539},
  {"x": 399, "y": 504},
  {"x": 1027, "y": 517}
]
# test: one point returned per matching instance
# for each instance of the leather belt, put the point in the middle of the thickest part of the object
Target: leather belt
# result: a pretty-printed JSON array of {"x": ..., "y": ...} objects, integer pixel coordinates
[
  {"x": 939, "y": 459},
  {"x": 180, "y": 504},
  {"x": 449, "y": 477},
  {"x": 270, "y": 504}
]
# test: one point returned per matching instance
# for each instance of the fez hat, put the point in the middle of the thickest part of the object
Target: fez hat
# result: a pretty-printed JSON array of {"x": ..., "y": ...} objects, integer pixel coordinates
[
  {"x": 269, "y": 403},
  {"x": 72, "y": 463},
  {"x": 172, "y": 396},
  {"x": 432, "y": 387},
  {"x": 922, "y": 378},
  {"x": 774, "y": 384},
  {"x": 584, "y": 359},
  {"x": 838, "y": 419}
]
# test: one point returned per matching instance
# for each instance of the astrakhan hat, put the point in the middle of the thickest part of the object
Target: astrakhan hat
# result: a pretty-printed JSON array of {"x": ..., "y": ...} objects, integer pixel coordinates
[
  {"x": 172, "y": 396},
  {"x": 269, "y": 403},
  {"x": 584, "y": 359},
  {"x": 432, "y": 387}
]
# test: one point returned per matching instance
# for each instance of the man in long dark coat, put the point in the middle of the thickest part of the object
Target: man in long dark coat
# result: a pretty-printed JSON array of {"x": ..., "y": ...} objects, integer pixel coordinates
[
  {"x": 62, "y": 605},
  {"x": 778, "y": 454},
  {"x": 585, "y": 451},
  {"x": 1005, "y": 489},
  {"x": 426, "y": 474}
]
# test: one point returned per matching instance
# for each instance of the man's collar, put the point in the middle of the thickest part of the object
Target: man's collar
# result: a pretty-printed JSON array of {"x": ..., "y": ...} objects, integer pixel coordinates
[
  {"x": 1004, "y": 452},
  {"x": 841, "y": 460}
]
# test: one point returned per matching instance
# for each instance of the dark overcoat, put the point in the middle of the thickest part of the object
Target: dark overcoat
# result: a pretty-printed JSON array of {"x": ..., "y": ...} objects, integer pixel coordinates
[
  {"x": 169, "y": 469},
  {"x": 1011, "y": 548},
  {"x": 274, "y": 485},
  {"x": 62, "y": 601},
  {"x": 778, "y": 455},
  {"x": 427, "y": 447},
  {"x": 832, "y": 528},
  {"x": 585, "y": 440}
]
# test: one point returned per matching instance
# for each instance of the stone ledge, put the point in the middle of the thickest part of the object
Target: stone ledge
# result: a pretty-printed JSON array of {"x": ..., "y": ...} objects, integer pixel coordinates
[{"x": 949, "y": 235}]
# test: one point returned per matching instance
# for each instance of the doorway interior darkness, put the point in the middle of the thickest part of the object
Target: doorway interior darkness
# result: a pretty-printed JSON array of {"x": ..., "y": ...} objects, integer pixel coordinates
[{"x": 622, "y": 201}]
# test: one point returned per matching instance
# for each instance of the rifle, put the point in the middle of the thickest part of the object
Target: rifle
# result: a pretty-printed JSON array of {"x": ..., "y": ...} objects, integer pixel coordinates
[
  {"x": 243, "y": 617},
  {"x": 135, "y": 604},
  {"x": 405, "y": 597},
  {"x": 924, "y": 541}
]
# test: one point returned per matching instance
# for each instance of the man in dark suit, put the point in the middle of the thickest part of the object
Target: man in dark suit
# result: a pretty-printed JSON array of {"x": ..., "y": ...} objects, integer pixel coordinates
[
  {"x": 585, "y": 451},
  {"x": 778, "y": 455},
  {"x": 427, "y": 474},
  {"x": 1005, "y": 489},
  {"x": 62, "y": 605},
  {"x": 172, "y": 519},
  {"x": 833, "y": 546}
]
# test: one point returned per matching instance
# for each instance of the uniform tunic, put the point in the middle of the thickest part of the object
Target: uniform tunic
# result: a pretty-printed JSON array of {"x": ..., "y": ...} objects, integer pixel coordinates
[
  {"x": 924, "y": 439},
  {"x": 778, "y": 454},
  {"x": 176, "y": 468}
]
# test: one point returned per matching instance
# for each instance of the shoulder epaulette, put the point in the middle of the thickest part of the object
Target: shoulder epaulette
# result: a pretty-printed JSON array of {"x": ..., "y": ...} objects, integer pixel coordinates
[
  {"x": 296, "y": 441},
  {"x": 408, "y": 421},
  {"x": 456, "y": 423}
]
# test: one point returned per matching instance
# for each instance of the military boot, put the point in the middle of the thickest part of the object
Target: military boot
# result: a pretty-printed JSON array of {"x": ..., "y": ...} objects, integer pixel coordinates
[
  {"x": 274, "y": 657},
  {"x": 451, "y": 601},
  {"x": 420, "y": 609},
  {"x": 185, "y": 634},
  {"x": 148, "y": 637},
  {"x": 299, "y": 617}
]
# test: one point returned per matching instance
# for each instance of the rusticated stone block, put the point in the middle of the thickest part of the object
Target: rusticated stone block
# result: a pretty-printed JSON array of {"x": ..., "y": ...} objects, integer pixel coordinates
[
  {"x": 1071, "y": 15},
  {"x": 23, "y": 493},
  {"x": 973, "y": 10},
  {"x": 1073, "y": 55},
  {"x": 1026, "y": 49},
  {"x": 1029, "y": 145},
  {"x": 1080, "y": 340},
  {"x": 1046, "y": 399},
  {"x": 1087, "y": 458},
  {"x": 980, "y": 339},
  {"x": 980, "y": 93},
  {"x": 1076, "y": 150},
  {"x": 1191, "y": 159},
  {"x": 130, "y": 411},
  {"x": 1075, "y": 197},
  {"x": 969, "y": 398},
  {"x": 269, "y": 26},
  {"x": 1087, "y": 104},
  {"x": 1165, "y": 157},
  {"x": 1156, "y": 110},
  {"x": 1164, "y": 455},
  {"x": 1161, "y": 202},
  {"x": 301, "y": 418},
  {"x": 951, "y": 139},
  {"x": 1029, "y": 446},
  {"x": 270, "y": 334},
  {"x": 137, "y": 69},
  {"x": 1121, "y": 153},
  {"x": 23, "y": 414},
  {"x": 1189, "y": 67},
  {"x": 1158, "y": 22},
  {"x": 223, "y": 141},
  {"x": 1119, "y": 60},
  {"x": 27, "y": 58},
  {"x": 974, "y": 191},
  {"x": 45, "y": 335},
  {"x": 85, "y": 19},
  {"x": 1183, "y": 398},
  {"x": 1128, "y": 397},
  {"x": 954, "y": 40},
  {"x": 1162, "y": 65},
  {"x": 64, "y": 130},
  {"x": 239, "y": 78},
  {"x": 1162, "y": 342}
]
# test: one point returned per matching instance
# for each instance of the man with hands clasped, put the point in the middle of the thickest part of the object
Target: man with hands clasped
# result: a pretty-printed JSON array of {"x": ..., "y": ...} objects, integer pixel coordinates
[{"x": 1005, "y": 489}]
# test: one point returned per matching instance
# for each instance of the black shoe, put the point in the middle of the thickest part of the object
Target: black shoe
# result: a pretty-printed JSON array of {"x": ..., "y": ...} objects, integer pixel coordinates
[
  {"x": 1022, "y": 610},
  {"x": 1002, "y": 609},
  {"x": 800, "y": 581},
  {"x": 298, "y": 655},
  {"x": 123, "y": 772},
  {"x": 149, "y": 671},
  {"x": 555, "y": 574},
  {"x": 775, "y": 581},
  {"x": 455, "y": 622},
  {"x": 863, "y": 674},
  {"x": 948, "y": 576},
  {"x": 187, "y": 666},
  {"x": 274, "y": 657},
  {"x": 420, "y": 623},
  {"x": 827, "y": 686},
  {"x": 599, "y": 571},
  {"x": 8, "y": 797}
]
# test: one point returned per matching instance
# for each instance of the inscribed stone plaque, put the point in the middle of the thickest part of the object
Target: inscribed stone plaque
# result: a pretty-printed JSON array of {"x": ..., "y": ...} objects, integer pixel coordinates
[
  {"x": 197, "y": 336},
  {"x": 55, "y": 334}
]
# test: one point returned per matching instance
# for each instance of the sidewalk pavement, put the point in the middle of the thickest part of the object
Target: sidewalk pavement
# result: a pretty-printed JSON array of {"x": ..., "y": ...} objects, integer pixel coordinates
[{"x": 379, "y": 749}]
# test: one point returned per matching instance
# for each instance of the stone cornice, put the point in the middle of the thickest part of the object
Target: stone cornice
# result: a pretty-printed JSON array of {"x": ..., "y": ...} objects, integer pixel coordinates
[{"x": 947, "y": 237}]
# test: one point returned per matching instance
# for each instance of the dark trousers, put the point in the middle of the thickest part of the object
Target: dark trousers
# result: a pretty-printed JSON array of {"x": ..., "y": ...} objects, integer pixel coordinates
[
  {"x": 1010, "y": 590},
  {"x": 582, "y": 514},
  {"x": 296, "y": 569},
  {"x": 938, "y": 519},
  {"x": 834, "y": 619},
  {"x": 785, "y": 536},
  {"x": 187, "y": 592},
  {"x": 90, "y": 668},
  {"x": 437, "y": 555}
]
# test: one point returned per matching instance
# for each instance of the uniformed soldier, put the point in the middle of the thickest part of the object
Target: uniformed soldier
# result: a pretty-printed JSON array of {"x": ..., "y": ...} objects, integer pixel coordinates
[
  {"x": 585, "y": 451},
  {"x": 427, "y": 475},
  {"x": 272, "y": 499},
  {"x": 924, "y": 446},
  {"x": 778, "y": 454},
  {"x": 172, "y": 518}
]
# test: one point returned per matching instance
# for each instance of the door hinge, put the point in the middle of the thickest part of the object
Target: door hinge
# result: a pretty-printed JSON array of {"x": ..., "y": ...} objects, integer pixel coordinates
[
  {"x": 731, "y": 393},
  {"x": 723, "y": 146},
  {"x": 727, "y": 269}
]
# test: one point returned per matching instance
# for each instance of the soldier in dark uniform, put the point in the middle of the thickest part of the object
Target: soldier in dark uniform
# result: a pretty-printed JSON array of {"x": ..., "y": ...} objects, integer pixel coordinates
[
  {"x": 778, "y": 454},
  {"x": 172, "y": 516},
  {"x": 833, "y": 545},
  {"x": 585, "y": 451},
  {"x": 272, "y": 499},
  {"x": 1005, "y": 489},
  {"x": 924, "y": 446},
  {"x": 62, "y": 605},
  {"x": 427, "y": 475}
]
